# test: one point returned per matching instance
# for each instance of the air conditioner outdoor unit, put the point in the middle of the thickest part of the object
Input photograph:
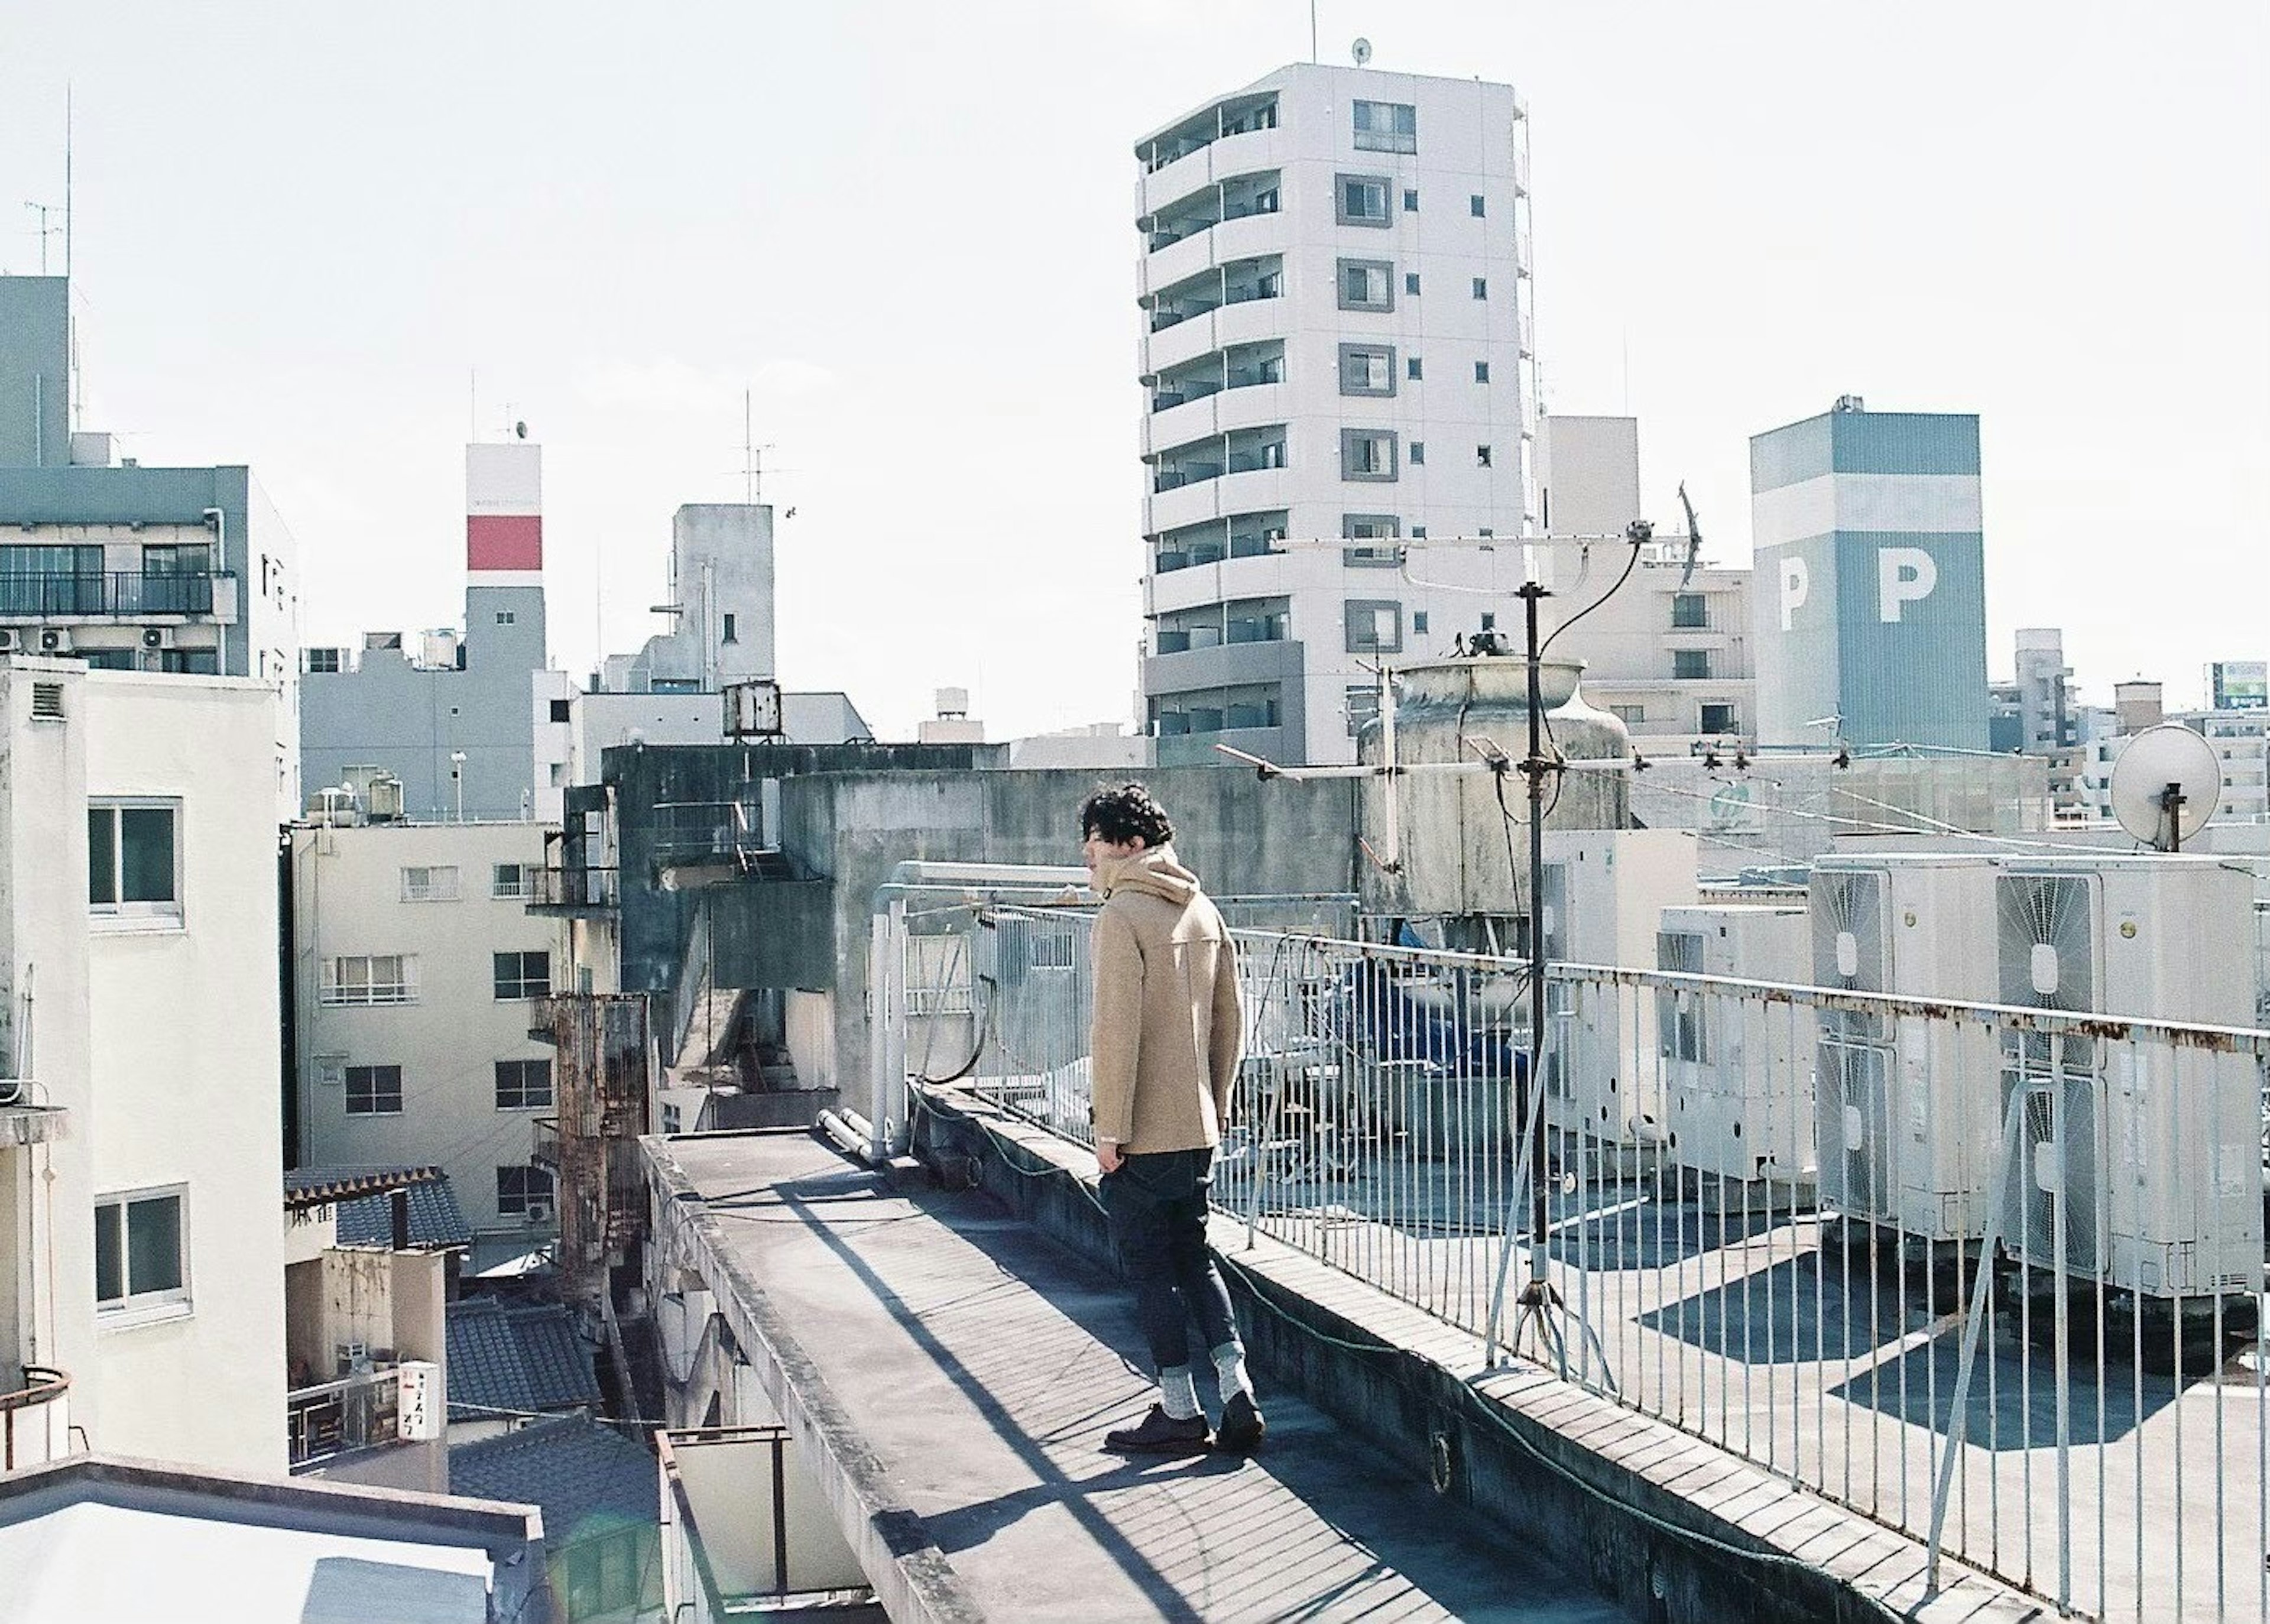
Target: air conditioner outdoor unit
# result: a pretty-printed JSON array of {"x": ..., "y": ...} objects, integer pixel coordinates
[
  {"x": 11, "y": 641},
  {"x": 536, "y": 1213},
  {"x": 55, "y": 640},
  {"x": 1738, "y": 1070},
  {"x": 157, "y": 637},
  {"x": 2145, "y": 1154},
  {"x": 1604, "y": 896},
  {"x": 1905, "y": 1107}
]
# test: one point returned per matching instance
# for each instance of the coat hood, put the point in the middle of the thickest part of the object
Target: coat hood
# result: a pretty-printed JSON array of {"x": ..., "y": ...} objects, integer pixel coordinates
[{"x": 1156, "y": 870}]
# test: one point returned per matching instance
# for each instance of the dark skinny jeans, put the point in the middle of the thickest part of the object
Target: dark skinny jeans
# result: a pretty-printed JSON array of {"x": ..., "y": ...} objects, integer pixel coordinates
[{"x": 1157, "y": 1207}]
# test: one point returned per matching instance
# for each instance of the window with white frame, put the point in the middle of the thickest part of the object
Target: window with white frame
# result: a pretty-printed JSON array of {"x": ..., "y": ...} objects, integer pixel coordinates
[
  {"x": 141, "y": 1251},
  {"x": 134, "y": 858},
  {"x": 513, "y": 882},
  {"x": 374, "y": 1090},
  {"x": 369, "y": 978},
  {"x": 521, "y": 975},
  {"x": 430, "y": 885},
  {"x": 523, "y": 1191},
  {"x": 1386, "y": 127},
  {"x": 522, "y": 1084}
]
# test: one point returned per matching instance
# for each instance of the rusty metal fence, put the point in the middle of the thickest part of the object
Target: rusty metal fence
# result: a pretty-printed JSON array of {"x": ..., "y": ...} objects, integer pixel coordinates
[{"x": 1986, "y": 1275}]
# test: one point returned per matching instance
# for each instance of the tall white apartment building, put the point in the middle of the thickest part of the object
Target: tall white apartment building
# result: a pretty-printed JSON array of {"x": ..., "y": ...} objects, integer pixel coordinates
[
  {"x": 141, "y": 1185},
  {"x": 1337, "y": 354}
]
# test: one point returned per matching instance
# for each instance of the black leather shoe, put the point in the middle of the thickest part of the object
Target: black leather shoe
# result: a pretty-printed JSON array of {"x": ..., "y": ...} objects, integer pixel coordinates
[
  {"x": 1241, "y": 1425},
  {"x": 1158, "y": 1434}
]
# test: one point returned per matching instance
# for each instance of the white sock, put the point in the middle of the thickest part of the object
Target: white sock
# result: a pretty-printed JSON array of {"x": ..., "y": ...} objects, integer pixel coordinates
[
  {"x": 1178, "y": 1394},
  {"x": 1229, "y": 1370}
]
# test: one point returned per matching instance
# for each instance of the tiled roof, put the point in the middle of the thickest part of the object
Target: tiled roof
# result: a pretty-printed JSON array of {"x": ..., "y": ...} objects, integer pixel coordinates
[
  {"x": 307, "y": 1187},
  {"x": 584, "y": 1475},
  {"x": 526, "y": 1358},
  {"x": 436, "y": 1221}
]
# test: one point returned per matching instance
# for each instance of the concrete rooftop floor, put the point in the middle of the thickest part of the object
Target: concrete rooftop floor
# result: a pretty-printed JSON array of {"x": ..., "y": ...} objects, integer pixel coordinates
[{"x": 982, "y": 1365}]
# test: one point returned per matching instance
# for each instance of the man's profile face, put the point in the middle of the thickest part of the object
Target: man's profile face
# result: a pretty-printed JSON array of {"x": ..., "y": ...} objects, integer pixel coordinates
[{"x": 1095, "y": 850}]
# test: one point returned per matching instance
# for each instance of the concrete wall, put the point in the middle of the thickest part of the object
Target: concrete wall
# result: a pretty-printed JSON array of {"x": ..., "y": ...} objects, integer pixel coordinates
[{"x": 34, "y": 372}]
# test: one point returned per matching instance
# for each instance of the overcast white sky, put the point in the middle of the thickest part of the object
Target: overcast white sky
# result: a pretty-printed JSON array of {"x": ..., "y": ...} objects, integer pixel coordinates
[{"x": 908, "y": 228}]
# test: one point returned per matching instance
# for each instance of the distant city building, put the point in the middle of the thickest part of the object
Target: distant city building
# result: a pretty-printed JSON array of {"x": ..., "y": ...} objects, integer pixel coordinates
[
  {"x": 1669, "y": 654},
  {"x": 187, "y": 571},
  {"x": 2136, "y": 704},
  {"x": 1869, "y": 608},
  {"x": 954, "y": 724},
  {"x": 2239, "y": 685},
  {"x": 1336, "y": 346}
]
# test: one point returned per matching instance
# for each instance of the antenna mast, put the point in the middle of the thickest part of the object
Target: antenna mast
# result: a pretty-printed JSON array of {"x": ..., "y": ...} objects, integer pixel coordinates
[{"x": 67, "y": 184}]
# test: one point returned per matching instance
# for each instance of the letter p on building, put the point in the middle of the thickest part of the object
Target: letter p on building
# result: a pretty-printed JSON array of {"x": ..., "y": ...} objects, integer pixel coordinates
[
  {"x": 1904, "y": 575},
  {"x": 1796, "y": 587}
]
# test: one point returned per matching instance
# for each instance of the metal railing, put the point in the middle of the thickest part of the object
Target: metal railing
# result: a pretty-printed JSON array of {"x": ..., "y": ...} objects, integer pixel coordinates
[
  {"x": 1986, "y": 1275},
  {"x": 592, "y": 889},
  {"x": 117, "y": 592},
  {"x": 35, "y": 1419},
  {"x": 351, "y": 1413}
]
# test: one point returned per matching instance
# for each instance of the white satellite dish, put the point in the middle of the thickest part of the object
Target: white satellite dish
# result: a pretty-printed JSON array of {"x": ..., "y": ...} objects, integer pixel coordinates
[
  {"x": 1361, "y": 52},
  {"x": 2166, "y": 786}
]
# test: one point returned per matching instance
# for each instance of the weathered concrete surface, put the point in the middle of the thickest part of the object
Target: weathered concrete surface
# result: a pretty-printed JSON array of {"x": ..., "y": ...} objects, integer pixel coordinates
[
  {"x": 968, "y": 1369},
  {"x": 1676, "y": 1528}
]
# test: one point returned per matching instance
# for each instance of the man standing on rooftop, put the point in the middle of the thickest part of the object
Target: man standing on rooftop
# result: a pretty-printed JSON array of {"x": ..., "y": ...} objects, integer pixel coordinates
[{"x": 1165, "y": 1035}]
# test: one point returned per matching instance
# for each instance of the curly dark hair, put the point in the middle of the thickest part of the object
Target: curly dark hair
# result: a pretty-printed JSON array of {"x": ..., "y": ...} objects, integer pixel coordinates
[{"x": 1122, "y": 814}]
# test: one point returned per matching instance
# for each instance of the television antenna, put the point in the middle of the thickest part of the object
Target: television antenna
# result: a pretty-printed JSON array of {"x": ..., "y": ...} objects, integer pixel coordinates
[{"x": 2166, "y": 786}]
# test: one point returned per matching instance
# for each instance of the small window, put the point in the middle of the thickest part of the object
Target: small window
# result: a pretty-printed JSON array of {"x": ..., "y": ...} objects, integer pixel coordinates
[
  {"x": 729, "y": 636},
  {"x": 331, "y": 1070},
  {"x": 1690, "y": 612},
  {"x": 505, "y": 617},
  {"x": 375, "y": 978},
  {"x": 1690, "y": 665},
  {"x": 513, "y": 882},
  {"x": 323, "y": 662},
  {"x": 1411, "y": 283},
  {"x": 1411, "y": 200},
  {"x": 1367, "y": 454},
  {"x": 1630, "y": 715},
  {"x": 1474, "y": 205},
  {"x": 1365, "y": 284},
  {"x": 522, "y": 1084},
  {"x": 521, "y": 976},
  {"x": 1719, "y": 719},
  {"x": 1482, "y": 456},
  {"x": 563, "y": 710},
  {"x": 1418, "y": 453},
  {"x": 1418, "y": 532},
  {"x": 521, "y": 1191},
  {"x": 141, "y": 1251},
  {"x": 1489, "y": 620},
  {"x": 1374, "y": 628},
  {"x": 1414, "y": 370},
  {"x": 1361, "y": 199},
  {"x": 1481, "y": 287},
  {"x": 1481, "y": 371},
  {"x": 429, "y": 884},
  {"x": 1386, "y": 127},
  {"x": 1418, "y": 622},
  {"x": 374, "y": 1091},
  {"x": 133, "y": 858},
  {"x": 1367, "y": 370},
  {"x": 1486, "y": 532}
]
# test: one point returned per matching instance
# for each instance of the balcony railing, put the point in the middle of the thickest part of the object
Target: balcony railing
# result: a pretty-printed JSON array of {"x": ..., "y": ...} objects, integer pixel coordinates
[
  {"x": 124, "y": 593},
  {"x": 544, "y": 1142},
  {"x": 573, "y": 890},
  {"x": 333, "y": 1417},
  {"x": 35, "y": 1420}
]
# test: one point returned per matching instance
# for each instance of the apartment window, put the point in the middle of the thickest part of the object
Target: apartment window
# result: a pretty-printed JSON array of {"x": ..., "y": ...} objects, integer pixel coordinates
[
  {"x": 324, "y": 661},
  {"x": 1482, "y": 456},
  {"x": 523, "y": 1191},
  {"x": 134, "y": 858},
  {"x": 1690, "y": 612},
  {"x": 1411, "y": 200},
  {"x": 729, "y": 636},
  {"x": 1414, "y": 370},
  {"x": 1418, "y": 623},
  {"x": 1361, "y": 199},
  {"x": 1367, "y": 454},
  {"x": 1481, "y": 371},
  {"x": 1366, "y": 370},
  {"x": 373, "y": 978},
  {"x": 1474, "y": 205},
  {"x": 1367, "y": 285},
  {"x": 1481, "y": 287},
  {"x": 429, "y": 884},
  {"x": 1386, "y": 127},
  {"x": 1418, "y": 532},
  {"x": 1690, "y": 663},
  {"x": 195, "y": 662},
  {"x": 563, "y": 710},
  {"x": 1719, "y": 719},
  {"x": 521, "y": 976},
  {"x": 522, "y": 1084},
  {"x": 374, "y": 1090},
  {"x": 1630, "y": 715},
  {"x": 141, "y": 1252},
  {"x": 505, "y": 617},
  {"x": 1371, "y": 527},
  {"x": 1374, "y": 628},
  {"x": 1418, "y": 452},
  {"x": 513, "y": 882},
  {"x": 1411, "y": 283}
]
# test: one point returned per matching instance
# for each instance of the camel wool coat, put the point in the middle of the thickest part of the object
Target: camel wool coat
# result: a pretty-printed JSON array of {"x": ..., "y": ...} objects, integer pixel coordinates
[{"x": 1166, "y": 1029}]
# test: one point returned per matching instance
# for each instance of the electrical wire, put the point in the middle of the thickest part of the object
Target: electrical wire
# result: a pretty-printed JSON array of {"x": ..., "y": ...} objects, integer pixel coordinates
[{"x": 1630, "y": 563}]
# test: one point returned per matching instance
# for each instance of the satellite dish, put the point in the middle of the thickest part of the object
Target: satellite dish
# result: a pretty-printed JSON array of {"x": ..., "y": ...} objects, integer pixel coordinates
[
  {"x": 2166, "y": 786},
  {"x": 521, "y": 430},
  {"x": 1361, "y": 52}
]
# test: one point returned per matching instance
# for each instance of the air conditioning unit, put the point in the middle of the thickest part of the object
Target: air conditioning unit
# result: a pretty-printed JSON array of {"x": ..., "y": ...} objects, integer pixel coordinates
[
  {"x": 2139, "y": 1162},
  {"x": 536, "y": 1213},
  {"x": 1905, "y": 1107},
  {"x": 1737, "y": 1070},
  {"x": 157, "y": 637},
  {"x": 11, "y": 641},
  {"x": 1603, "y": 897},
  {"x": 55, "y": 640}
]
